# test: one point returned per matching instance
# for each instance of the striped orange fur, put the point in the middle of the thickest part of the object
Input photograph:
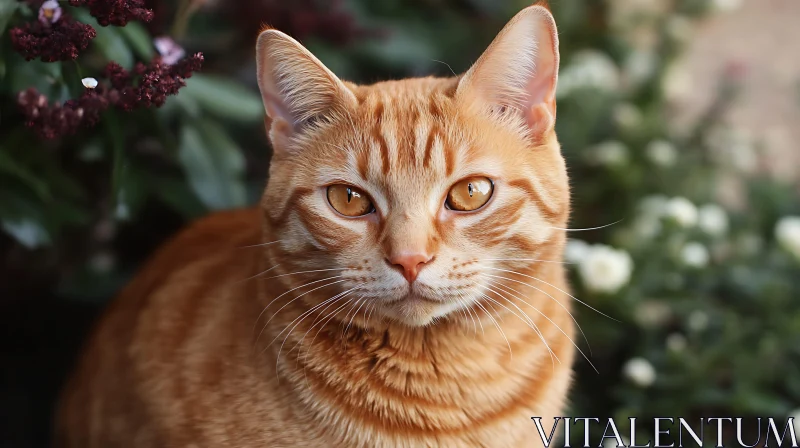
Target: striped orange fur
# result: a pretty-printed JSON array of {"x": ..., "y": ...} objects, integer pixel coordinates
[{"x": 415, "y": 324}]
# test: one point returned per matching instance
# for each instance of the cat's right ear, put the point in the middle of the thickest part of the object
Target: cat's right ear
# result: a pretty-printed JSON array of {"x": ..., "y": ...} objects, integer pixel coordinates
[
  {"x": 297, "y": 89},
  {"x": 519, "y": 70}
]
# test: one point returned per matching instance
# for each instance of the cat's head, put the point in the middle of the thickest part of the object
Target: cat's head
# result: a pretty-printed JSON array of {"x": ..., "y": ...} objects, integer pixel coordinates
[{"x": 414, "y": 195}]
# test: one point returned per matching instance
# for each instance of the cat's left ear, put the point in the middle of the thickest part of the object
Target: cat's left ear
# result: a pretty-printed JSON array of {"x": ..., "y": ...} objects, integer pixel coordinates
[{"x": 519, "y": 70}]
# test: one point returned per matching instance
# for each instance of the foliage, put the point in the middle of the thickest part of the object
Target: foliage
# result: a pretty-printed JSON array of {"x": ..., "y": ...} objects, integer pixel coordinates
[{"x": 705, "y": 298}]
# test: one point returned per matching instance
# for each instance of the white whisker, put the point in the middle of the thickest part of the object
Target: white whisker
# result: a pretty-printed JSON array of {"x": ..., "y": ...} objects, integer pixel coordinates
[
  {"x": 529, "y": 322},
  {"x": 556, "y": 287},
  {"x": 287, "y": 292},
  {"x": 260, "y": 245},
  {"x": 283, "y": 294},
  {"x": 307, "y": 272},
  {"x": 287, "y": 304},
  {"x": 360, "y": 303},
  {"x": 257, "y": 275},
  {"x": 494, "y": 321},
  {"x": 523, "y": 259},
  {"x": 584, "y": 230},
  {"x": 550, "y": 296},
  {"x": 296, "y": 321},
  {"x": 554, "y": 324}
]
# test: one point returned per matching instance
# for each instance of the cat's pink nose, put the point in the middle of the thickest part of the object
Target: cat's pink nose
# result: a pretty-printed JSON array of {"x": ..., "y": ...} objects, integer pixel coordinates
[{"x": 410, "y": 263}]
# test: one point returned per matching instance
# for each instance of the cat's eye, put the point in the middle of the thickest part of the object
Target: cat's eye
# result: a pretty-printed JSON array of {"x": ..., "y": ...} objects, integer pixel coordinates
[
  {"x": 470, "y": 194},
  {"x": 349, "y": 201}
]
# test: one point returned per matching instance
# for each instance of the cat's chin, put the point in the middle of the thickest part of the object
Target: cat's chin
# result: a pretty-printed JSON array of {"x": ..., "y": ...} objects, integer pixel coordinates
[{"x": 418, "y": 311}]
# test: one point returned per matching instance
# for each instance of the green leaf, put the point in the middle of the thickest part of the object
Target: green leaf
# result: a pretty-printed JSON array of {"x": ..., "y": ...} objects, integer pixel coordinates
[
  {"x": 224, "y": 98},
  {"x": 113, "y": 46},
  {"x": 140, "y": 40},
  {"x": 109, "y": 40},
  {"x": 214, "y": 165},
  {"x": 7, "y": 9},
  {"x": 9, "y": 166},
  {"x": 27, "y": 232},
  {"x": 45, "y": 77},
  {"x": 179, "y": 196}
]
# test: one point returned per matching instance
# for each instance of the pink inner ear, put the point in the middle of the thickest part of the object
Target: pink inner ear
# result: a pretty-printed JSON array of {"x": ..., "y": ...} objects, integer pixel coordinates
[
  {"x": 541, "y": 86},
  {"x": 276, "y": 108},
  {"x": 541, "y": 117},
  {"x": 520, "y": 69}
]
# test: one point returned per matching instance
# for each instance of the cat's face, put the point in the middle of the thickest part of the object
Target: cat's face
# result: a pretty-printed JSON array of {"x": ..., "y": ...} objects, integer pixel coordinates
[{"x": 413, "y": 194}]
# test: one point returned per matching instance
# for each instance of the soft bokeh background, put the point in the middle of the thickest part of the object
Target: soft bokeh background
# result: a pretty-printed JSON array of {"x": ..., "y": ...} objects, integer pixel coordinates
[{"x": 679, "y": 143}]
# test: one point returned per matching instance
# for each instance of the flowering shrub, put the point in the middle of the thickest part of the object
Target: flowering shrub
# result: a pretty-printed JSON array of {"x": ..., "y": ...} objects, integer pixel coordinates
[
  {"x": 694, "y": 298},
  {"x": 705, "y": 289}
]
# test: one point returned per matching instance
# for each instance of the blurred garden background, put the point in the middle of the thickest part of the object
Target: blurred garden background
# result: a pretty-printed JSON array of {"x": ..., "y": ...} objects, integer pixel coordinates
[{"x": 700, "y": 267}]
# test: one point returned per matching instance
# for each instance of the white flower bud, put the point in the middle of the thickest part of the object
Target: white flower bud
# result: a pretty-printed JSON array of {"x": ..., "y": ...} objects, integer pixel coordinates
[
  {"x": 695, "y": 255},
  {"x": 713, "y": 220},
  {"x": 662, "y": 153},
  {"x": 605, "y": 270},
  {"x": 787, "y": 233},
  {"x": 640, "y": 372},
  {"x": 676, "y": 342},
  {"x": 682, "y": 211},
  {"x": 698, "y": 320},
  {"x": 89, "y": 83}
]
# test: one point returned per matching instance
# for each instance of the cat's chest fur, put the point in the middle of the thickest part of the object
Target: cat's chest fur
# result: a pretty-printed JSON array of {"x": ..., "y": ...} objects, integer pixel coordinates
[{"x": 174, "y": 363}]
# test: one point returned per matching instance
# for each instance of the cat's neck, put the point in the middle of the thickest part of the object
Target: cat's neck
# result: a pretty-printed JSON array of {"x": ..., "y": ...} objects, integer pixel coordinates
[{"x": 397, "y": 379}]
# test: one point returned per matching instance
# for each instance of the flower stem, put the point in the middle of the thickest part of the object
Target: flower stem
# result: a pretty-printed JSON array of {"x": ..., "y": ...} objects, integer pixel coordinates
[{"x": 185, "y": 10}]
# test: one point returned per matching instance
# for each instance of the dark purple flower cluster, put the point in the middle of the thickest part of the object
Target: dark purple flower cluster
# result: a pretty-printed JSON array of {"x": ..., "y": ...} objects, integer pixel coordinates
[
  {"x": 56, "y": 120},
  {"x": 115, "y": 12},
  {"x": 155, "y": 81},
  {"x": 60, "y": 40},
  {"x": 144, "y": 86}
]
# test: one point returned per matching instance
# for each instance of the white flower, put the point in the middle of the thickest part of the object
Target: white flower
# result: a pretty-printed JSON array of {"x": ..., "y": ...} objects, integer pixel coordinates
[
  {"x": 652, "y": 313},
  {"x": 654, "y": 205},
  {"x": 170, "y": 51},
  {"x": 49, "y": 12},
  {"x": 661, "y": 153},
  {"x": 627, "y": 116},
  {"x": 588, "y": 69},
  {"x": 575, "y": 250},
  {"x": 695, "y": 255},
  {"x": 640, "y": 66},
  {"x": 677, "y": 83},
  {"x": 697, "y": 320},
  {"x": 682, "y": 211},
  {"x": 727, "y": 5},
  {"x": 647, "y": 226},
  {"x": 89, "y": 83},
  {"x": 610, "y": 153},
  {"x": 605, "y": 269},
  {"x": 712, "y": 219},
  {"x": 787, "y": 232},
  {"x": 640, "y": 372},
  {"x": 676, "y": 342}
]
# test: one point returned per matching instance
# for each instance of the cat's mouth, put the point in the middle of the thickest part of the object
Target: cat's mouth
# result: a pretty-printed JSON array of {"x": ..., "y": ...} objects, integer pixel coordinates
[
  {"x": 415, "y": 309},
  {"x": 413, "y": 297}
]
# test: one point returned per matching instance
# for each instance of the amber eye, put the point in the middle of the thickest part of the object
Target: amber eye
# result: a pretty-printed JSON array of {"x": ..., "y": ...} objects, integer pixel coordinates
[
  {"x": 470, "y": 194},
  {"x": 348, "y": 200}
]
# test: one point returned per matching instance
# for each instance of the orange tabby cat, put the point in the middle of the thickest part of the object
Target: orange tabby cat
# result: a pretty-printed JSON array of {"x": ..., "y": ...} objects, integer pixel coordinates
[{"x": 399, "y": 285}]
